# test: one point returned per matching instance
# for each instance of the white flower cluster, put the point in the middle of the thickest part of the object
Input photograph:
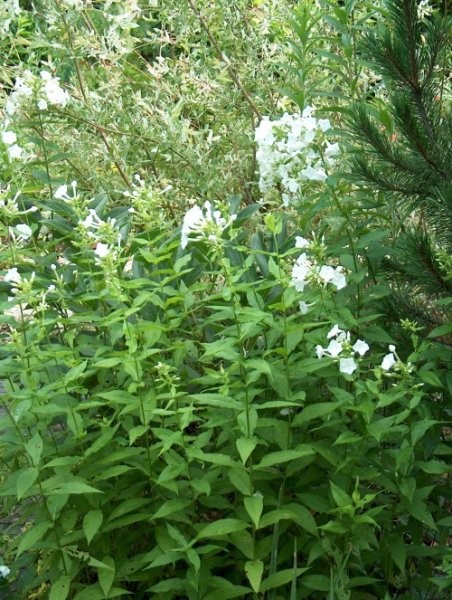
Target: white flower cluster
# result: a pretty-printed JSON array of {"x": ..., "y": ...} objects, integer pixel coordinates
[
  {"x": 9, "y": 11},
  {"x": 207, "y": 225},
  {"x": 307, "y": 270},
  {"x": 340, "y": 344},
  {"x": 9, "y": 138},
  {"x": 52, "y": 92},
  {"x": 25, "y": 301},
  {"x": 104, "y": 233},
  {"x": 293, "y": 149},
  {"x": 47, "y": 88},
  {"x": 424, "y": 10}
]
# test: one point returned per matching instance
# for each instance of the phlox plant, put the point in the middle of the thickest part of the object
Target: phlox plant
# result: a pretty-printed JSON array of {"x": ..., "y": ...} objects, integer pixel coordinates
[
  {"x": 178, "y": 422},
  {"x": 199, "y": 398}
]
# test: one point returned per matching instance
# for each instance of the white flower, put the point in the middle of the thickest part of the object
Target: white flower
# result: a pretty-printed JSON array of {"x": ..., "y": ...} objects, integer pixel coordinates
[
  {"x": 129, "y": 265},
  {"x": 4, "y": 571},
  {"x": 12, "y": 276},
  {"x": 9, "y": 137},
  {"x": 301, "y": 242},
  {"x": 88, "y": 221},
  {"x": 360, "y": 347},
  {"x": 304, "y": 307},
  {"x": 391, "y": 348},
  {"x": 320, "y": 351},
  {"x": 198, "y": 225},
  {"x": 301, "y": 271},
  {"x": 334, "y": 348},
  {"x": 194, "y": 221},
  {"x": 42, "y": 104},
  {"x": 102, "y": 250},
  {"x": 15, "y": 152},
  {"x": 347, "y": 365},
  {"x": 388, "y": 361},
  {"x": 424, "y": 9},
  {"x": 339, "y": 280},
  {"x": 61, "y": 193},
  {"x": 324, "y": 124},
  {"x": 326, "y": 273},
  {"x": 334, "y": 331},
  {"x": 331, "y": 150},
  {"x": 335, "y": 276},
  {"x": 24, "y": 232},
  {"x": 52, "y": 89},
  {"x": 313, "y": 174}
]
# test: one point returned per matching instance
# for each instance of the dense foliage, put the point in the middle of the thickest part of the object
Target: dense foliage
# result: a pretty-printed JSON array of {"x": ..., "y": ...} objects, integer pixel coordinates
[{"x": 205, "y": 394}]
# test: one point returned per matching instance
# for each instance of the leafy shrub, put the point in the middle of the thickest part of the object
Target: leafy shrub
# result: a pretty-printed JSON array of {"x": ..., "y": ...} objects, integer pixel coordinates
[{"x": 201, "y": 406}]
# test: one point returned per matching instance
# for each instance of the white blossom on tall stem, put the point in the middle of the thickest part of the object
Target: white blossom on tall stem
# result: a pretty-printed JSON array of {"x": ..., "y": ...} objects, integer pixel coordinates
[
  {"x": 341, "y": 348},
  {"x": 291, "y": 150},
  {"x": 207, "y": 224}
]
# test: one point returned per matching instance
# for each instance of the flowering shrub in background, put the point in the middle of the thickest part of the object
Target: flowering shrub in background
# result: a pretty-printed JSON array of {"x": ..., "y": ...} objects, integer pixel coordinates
[
  {"x": 201, "y": 399},
  {"x": 291, "y": 150}
]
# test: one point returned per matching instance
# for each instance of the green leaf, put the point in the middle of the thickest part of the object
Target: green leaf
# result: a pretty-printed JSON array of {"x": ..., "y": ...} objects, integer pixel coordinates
[
  {"x": 240, "y": 480},
  {"x": 419, "y": 428},
  {"x": 74, "y": 373},
  {"x": 170, "y": 507},
  {"x": 224, "y": 348},
  {"x": 420, "y": 512},
  {"x": 314, "y": 411},
  {"x": 347, "y": 437},
  {"x": 434, "y": 467},
  {"x": 283, "y": 456},
  {"x": 137, "y": 432},
  {"x": 169, "y": 585},
  {"x": 304, "y": 517},
  {"x": 397, "y": 550},
  {"x": 245, "y": 446},
  {"x": 215, "y": 400},
  {"x": 75, "y": 487},
  {"x": 292, "y": 512},
  {"x": 165, "y": 559},
  {"x": 107, "y": 576},
  {"x": 91, "y": 523},
  {"x": 254, "y": 570},
  {"x": 340, "y": 497},
  {"x": 108, "y": 363},
  {"x": 64, "y": 461},
  {"x": 221, "y": 527},
  {"x": 34, "y": 448},
  {"x": 317, "y": 582},
  {"x": 374, "y": 333},
  {"x": 32, "y": 536},
  {"x": 225, "y": 590},
  {"x": 25, "y": 480},
  {"x": 430, "y": 378},
  {"x": 98, "y": 564},
  {"x": 441, "y": 330},
  {"x": 254, "y": 506},
  {"x": 60, "y": 589},
  {"x": 223, "y": 460},
  {"x": 280, "y": 578}
]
